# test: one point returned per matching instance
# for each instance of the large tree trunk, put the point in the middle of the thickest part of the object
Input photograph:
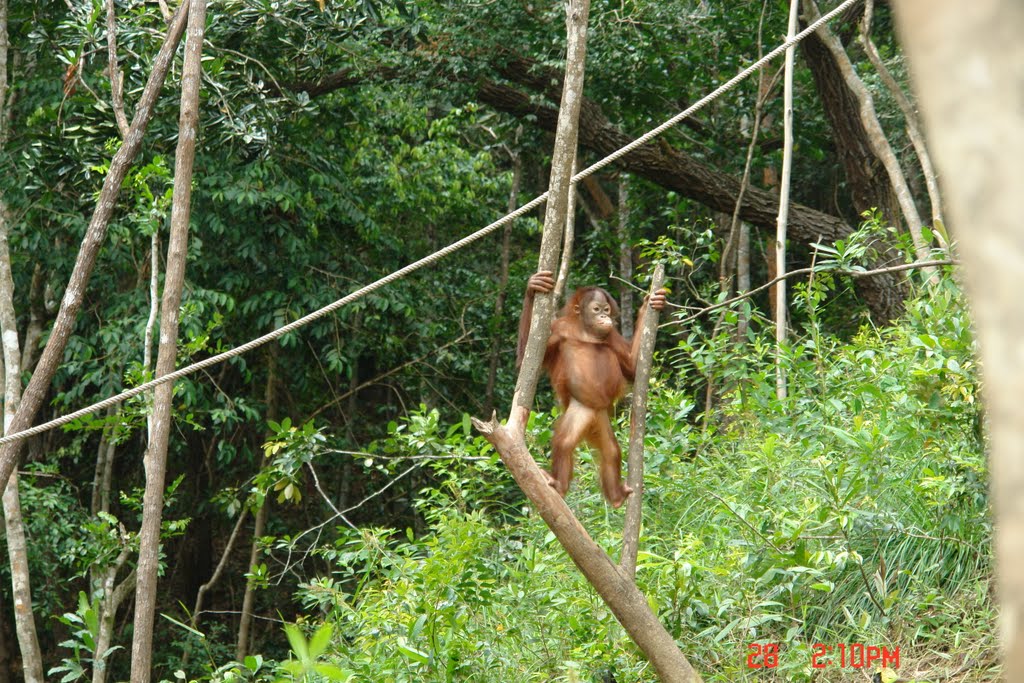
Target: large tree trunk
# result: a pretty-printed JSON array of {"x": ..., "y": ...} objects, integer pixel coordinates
[
  {"x": 664, "y": 165},
  {"x": 967, "y": 64},
  {"x": 174, "y": 281}
]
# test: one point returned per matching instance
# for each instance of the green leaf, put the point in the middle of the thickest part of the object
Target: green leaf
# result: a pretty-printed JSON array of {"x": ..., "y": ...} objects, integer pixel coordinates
[
  {"x": 297, "y": 642},
  {"x": 320, "y": 640}
]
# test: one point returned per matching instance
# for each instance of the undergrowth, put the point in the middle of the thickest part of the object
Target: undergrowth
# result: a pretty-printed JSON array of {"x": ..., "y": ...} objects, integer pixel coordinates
[{"x": 845, "y": 521}]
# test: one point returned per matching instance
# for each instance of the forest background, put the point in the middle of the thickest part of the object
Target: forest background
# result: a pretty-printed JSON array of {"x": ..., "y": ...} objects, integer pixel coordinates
[{"x": 331, "y": 479}]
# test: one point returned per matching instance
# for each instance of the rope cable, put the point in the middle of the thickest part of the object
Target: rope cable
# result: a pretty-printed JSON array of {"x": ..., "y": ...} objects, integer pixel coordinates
[{"x": 428, "y": 260}]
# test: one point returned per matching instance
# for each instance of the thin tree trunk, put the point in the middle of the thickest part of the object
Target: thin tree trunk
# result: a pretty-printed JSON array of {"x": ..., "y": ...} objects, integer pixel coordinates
[
  {"x": 876, "y": 137},
  {"x": 568, "y": 240},
  {"x": 249, "y": 599},
  {"x": 637, "y": 433},
  {"x": 104, "y": 466},
  {"x": 622, "y": 236},
  {"x": 116, "y": 78},
  {"x": 736, "y": 226},
  {"x": 112, "y": 596},
  {"x": 4, "y": 80},
  {"x": 174, "y": 281},
  {"x": 6, "y": 655},
  {"x": 909, "y": 115},
  {"x": 562, "y": 157},
  {"x": 197, "y": 609},
  {"x": 781, "y": 310},
  {"x": 967, "y": 67},
  {"x": 772, "y": 265},
  {"x": 499, "y": 302},
  {"x": 17, "y": 546},
  {"x": 37, "y": 314},
  {"x": 743, "y": 274},
  {"x": 38, "y": 386},
  {"x": 17, "y": 551}
]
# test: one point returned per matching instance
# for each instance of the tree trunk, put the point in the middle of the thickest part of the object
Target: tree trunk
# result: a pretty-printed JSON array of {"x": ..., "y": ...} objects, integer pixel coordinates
[
  {"x": 967, "y": 66},
  {"x": 568, "y": 240},
  {"x": 6, "y": 656},
  {"x": 625, "y": 259},
  {"x": 63, "y": 326},
  {"x": 104, "y": 471},
  {"x": 249, "y": 599},
  {"x": 174, "y": 281},
  {"x": 17, "y": 546},
  {"x": 909, "y": 114},
  {"x": 112, "y": 596},
  {"x": 876, "y": 139},
  {"x": 868, "y": 185},
  {"x": 743, "y": 275},
  {"x": 499, "y": 301},
  {"x": 637, "y": 433},
  {"x": 781, "y": 309},
  {"x": 260, "y": 523},
  {"x": 562, "y": 157}
]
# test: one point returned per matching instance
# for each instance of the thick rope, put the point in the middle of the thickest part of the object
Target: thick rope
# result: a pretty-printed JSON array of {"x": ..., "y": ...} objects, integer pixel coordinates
[{"x": 428, "y": 260}]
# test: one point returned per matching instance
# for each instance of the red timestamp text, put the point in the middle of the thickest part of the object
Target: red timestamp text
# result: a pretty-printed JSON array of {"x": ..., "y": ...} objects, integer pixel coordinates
[
  {"x": 762, "y": 655},
  {"x": 854, "y": 655}
]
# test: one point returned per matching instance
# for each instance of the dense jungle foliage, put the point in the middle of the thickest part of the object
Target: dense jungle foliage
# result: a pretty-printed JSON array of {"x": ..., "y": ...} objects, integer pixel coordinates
[{"x": 343, "y": 139}]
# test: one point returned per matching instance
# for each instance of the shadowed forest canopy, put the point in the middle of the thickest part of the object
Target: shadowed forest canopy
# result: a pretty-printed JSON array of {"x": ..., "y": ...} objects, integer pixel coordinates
[{"x": 327, "y": 502}]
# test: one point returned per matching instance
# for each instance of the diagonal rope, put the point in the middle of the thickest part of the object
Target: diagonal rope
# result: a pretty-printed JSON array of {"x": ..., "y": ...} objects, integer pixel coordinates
[{"x": 428, "y": 260}]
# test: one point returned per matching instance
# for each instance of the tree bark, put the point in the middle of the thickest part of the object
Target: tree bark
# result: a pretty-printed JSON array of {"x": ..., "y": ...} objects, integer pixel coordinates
[
  {"x": 174, "y": 280},
  {"x": 743, "y": 276},
  {"x": 104, "y": 471},
  {"x": 637, "y": 433},
  {"x": 249, "y": 599},
  {"x": 35, "y": 392},
  {"x": 967, "y": 66},
  {"x": 562, "y": 157}
]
